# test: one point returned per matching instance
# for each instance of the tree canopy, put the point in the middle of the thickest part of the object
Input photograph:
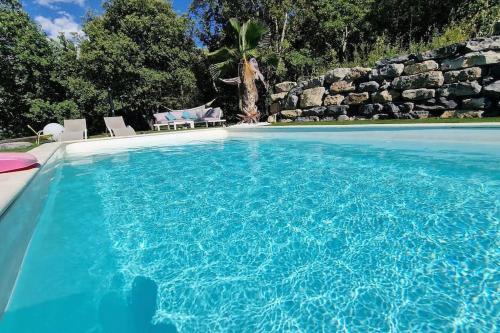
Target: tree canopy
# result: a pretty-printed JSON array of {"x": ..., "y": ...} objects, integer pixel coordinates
[{"x": 144, "y": 56}]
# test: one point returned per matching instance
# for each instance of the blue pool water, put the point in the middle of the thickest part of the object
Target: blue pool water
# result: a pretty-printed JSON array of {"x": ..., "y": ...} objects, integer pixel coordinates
[{"x": 261, "y": 235}]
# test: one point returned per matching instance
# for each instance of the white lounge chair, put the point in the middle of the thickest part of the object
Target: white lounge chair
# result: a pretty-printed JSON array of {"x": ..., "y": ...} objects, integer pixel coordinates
[
  {"x": 116, "y": 127},
  {"x": 74, "y": 129}
]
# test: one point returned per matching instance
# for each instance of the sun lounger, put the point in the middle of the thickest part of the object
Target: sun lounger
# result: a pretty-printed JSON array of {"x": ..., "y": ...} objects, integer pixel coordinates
[
  {"x": 74, "y": 129},
  {"x": 116, "y": 127}
]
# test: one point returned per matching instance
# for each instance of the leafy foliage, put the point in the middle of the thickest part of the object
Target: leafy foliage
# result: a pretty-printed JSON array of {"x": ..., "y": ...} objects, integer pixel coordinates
[{"x": 139, "y": 50}]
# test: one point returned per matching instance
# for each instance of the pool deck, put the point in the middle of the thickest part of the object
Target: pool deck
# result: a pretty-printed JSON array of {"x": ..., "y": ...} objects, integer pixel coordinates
[{"x": 12, "y": 184}]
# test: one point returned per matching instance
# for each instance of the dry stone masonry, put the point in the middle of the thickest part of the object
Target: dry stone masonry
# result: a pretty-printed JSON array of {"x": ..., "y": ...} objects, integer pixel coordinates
[{"x": 461, "y": 80}]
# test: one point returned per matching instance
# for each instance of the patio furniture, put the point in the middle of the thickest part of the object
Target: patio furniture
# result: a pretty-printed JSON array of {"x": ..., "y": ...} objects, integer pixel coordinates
[
  {"x": 200, "y": 115},
  {"x": 173, "y": 118},
  {"x": 116, "y": 127},
  {"x": 74, "y": 130},
  {"x": 213, "y": 116}
]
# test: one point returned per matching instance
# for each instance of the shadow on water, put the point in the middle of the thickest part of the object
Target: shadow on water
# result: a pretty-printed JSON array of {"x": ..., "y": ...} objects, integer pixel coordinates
[{"x": 135, "y": 314}]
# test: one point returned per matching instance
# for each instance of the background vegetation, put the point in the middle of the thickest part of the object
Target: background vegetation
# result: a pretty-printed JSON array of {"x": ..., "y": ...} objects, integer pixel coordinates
[{"x": 143, "y": 56}]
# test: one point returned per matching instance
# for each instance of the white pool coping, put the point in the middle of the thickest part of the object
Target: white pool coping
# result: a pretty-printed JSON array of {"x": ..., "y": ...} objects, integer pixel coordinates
[{"x": 12, "y": 184}]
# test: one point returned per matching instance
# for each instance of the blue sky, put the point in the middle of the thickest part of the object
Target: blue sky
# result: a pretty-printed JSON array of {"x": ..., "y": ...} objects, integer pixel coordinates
[{"x": 55, "y": 16}]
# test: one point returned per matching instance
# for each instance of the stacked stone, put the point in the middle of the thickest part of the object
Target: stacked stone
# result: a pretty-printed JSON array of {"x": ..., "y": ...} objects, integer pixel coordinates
[{"x": 462, "y": 80}]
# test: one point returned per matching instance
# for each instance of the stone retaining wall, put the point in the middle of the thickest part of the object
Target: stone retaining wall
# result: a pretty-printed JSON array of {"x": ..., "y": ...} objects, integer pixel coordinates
[{"x": 461, "y": 80}]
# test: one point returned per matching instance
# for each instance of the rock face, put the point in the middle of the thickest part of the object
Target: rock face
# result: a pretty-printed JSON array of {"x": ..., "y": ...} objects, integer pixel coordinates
[
  {"x": 312, "y": 83},
  {"x": 333, "y": 100},
  {"x": 460, "y": 80},
  {"x": 418, "y": 94},
  {"x": 389, "y": 71},
  {"x": 444, "y": 52},
  {"x": 475, "y": 103},
  {"x": 291, "y": 114},
  {"x": 346, "y": 74},
  {"x": 342, "y": 87},
  {"x": 468, "y": 74},
  {"x": 424, "y": 80},
  {"x": 278, "y": 97},
  {"x": 493, "y": 89},
  {"x": 421, "y": 67},
  {"x": 483, "y": 44},
  {"x": 356, "y": 98},
  {"x": 370, "y": 86},
  {"x": 312, "y": 97},
  {"x": 291, "y": 102},
  {"x": 285, "y": 87},
  {"x": 471, "y": 60},
  {"x": 382, "y": 97},
  {"x": 460, "y": 89}
]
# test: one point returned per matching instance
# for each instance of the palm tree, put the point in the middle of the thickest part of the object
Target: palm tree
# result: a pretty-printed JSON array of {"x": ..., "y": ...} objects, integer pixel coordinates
[{"x": 243, "y": 58}]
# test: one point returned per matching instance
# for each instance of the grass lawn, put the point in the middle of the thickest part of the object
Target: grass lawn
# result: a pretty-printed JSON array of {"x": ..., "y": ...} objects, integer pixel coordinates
[{"x": 396, "y": 121}]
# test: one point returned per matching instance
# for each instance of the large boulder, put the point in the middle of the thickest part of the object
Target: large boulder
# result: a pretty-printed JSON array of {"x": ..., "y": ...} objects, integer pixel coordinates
[
  {"x": 333, "y": 100},
  {"x": 278, "y": 97},
  {"x": 400, "y": 59},
  {"x": 460, "y": 89},
  {"x": 336, "y": 110},
  {"x": 358, "y": 73},
  {"x": 468, "y": 74},
  {"x": 475, "y": 103},
  {"x": 471, "y": 60},
  {"x": 337, "y": 74},
  {"x": 468, "y": 114},
  {"x": 312, "y": 83},
  {"x": 285, "y": 86},
  {"x": 441, "y": 53},
  {"x": 421, "y": 67},
  {"x": 369, "y": 110},
  {"x": 370, "y": 86},
  {"x": 291, "y": 102},
  {"x": 346, "y": 74},
  {"x": 312, "y": 97},
  {"x": 484, "y": 44},
  {"x": 418, "y": 94},
  {"x": 316, "y": 111},
  {"x": 342, "y": 87},
  {"x": 383, "y": 96},
  {"x": 356, "y": 98},
  {"x": 389, "y": 71},
  {"x": 493, "y": 89},
  {"x": 291, "y": 114},
  {"x": 275, "y": 108},
  {"x": 424, "y": 80},
  {"x": 436, "y": 106}
]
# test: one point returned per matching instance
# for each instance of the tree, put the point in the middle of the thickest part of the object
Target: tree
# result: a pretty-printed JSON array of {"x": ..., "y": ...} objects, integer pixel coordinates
[
  {"x": 241, "y": 57},
  {"x": 26, "y": 66},
  {"x": 142, "y": 51}
]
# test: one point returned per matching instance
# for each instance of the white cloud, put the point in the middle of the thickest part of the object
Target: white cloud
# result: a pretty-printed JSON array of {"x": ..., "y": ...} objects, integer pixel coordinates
[
  {"x": 51, "y": 3},
  {"x": 64, "y": 24}
]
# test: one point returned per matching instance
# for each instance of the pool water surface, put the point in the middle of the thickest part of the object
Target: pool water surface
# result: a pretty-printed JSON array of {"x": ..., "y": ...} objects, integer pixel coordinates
[{"x": 266, "y": 235}]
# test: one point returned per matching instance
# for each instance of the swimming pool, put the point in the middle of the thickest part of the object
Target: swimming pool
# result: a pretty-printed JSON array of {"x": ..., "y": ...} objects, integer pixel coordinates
[{"x": 302, "y": 230}]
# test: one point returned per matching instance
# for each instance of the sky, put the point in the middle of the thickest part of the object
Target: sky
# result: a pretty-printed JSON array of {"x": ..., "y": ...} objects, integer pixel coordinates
[{"x": 56, "y": 16}]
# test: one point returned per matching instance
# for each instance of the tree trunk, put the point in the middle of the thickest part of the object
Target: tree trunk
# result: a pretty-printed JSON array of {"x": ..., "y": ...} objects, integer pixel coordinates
[{"x": 249, "y": 94}]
